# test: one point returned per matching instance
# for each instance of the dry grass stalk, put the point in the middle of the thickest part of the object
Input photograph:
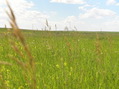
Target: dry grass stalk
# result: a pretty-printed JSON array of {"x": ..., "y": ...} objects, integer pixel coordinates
[
  {"x": 55, "y": 26},
  {"x": 75, "y": 28},
  {"x": 98, "y": 45},
  {"x": 109, "y": 40},
  {"x": 20, "y": 63},
  {"x": 29, "y": 66},
  {"x": 66, "y": 28},
  {"x": 5, "y": 63},
  {"x": 2, "y": 84},
  {"x": 16, "y": 49},
  {"x": 98, "y": 49},
  {"x": 47, "y": 27},
  {"x": 47, "y": 24}
]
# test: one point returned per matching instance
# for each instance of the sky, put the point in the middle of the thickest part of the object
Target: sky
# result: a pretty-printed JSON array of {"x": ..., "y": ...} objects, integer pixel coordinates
[{"x": 83, "y": 15}]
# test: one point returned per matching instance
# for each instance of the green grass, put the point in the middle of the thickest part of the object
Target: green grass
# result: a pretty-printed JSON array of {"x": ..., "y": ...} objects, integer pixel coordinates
[{"x": 65, "y": 60}]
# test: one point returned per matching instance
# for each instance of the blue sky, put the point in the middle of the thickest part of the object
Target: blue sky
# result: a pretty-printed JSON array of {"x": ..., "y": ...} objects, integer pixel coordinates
[
  {"x": 64, "y": 9},
  {"x": 86, "y": 15},
  {"x": 71, "y": 9}
]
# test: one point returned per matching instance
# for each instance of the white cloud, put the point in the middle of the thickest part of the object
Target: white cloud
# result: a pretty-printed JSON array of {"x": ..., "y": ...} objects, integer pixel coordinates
[
  {"x": 70, "y": 19},
  {"x": 97, "y": 13},
  {"x": 24, "y": 12},
  {"x": 111, "y": 26},
  {"x": 84, "y": 7},
  {"x": 112, "y": 2},
  {"x": 69, "y": 1},
  {"x": 92, "y": 24}
]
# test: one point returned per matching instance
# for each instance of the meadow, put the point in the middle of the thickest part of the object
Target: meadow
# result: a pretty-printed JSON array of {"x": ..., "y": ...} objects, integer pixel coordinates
[{"x": 63, "y": 60}]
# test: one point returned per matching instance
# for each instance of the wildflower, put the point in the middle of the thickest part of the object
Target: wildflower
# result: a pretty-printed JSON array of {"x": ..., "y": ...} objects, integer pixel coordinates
[
  {"x": 3, "y": 69},
  {"x": 21, "y": 87},
  {"x": 37, "y": 87},
  {"x": 26, "y": 84},
  {"x": 57, "y": 66},
  {"x": 7, "y": 83},
  {"x": 8, "y": 70},
  {"x": 65, "y": 64}
]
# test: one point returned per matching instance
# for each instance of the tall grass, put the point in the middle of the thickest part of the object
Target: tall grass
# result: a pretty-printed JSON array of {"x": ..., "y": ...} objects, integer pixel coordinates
[{"x": 28, "y": 63}]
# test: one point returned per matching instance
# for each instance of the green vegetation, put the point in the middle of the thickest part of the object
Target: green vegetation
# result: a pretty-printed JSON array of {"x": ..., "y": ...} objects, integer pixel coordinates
[{"x": 64, "y": 60}]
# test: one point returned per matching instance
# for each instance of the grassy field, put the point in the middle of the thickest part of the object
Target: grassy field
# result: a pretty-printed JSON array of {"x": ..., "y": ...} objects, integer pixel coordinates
[{"x": 64, "y": 60}]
